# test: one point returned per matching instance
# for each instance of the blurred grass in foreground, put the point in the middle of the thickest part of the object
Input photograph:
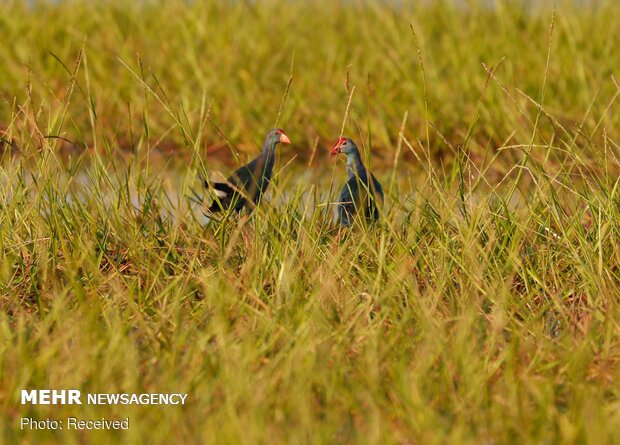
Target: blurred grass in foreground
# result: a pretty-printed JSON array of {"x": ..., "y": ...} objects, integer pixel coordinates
[{"x": 484, "y": 309}]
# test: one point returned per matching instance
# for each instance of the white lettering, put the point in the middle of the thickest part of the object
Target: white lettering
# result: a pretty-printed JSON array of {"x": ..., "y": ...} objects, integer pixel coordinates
[
  {"x": 102, "y": 424},
  {"x": 29, "y": 396},
  {"x": 58, "y": 397},
  {"x": 51, "y": 397},
  {"x": 74, "y": 397},
  {"x": 137, "y": 399},
  {"x": 44, "y": 396},
  {"x": 44, "y": 424}
]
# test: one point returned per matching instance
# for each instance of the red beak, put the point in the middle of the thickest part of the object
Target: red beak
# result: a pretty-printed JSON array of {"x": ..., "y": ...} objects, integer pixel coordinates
[
  {"x": 337, "y": 148},
  {"x": 284, "y": 138}
]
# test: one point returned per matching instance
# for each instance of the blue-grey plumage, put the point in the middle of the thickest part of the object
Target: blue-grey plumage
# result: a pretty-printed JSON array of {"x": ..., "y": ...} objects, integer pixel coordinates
[
  {"x": 362, "y": 193},
  {"x": 250, "y": 181}
]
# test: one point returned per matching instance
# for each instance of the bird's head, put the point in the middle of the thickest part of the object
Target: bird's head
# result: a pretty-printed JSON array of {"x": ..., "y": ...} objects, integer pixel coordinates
[
  {"x": 277, "y": 135},
  {"x": 344, "y": 145}
]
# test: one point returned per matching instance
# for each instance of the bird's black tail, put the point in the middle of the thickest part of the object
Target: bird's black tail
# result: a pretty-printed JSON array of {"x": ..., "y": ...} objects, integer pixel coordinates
[{"x": 222, "y": 196}]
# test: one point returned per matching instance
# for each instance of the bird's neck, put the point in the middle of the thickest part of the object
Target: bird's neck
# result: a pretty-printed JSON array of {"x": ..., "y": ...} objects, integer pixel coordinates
[
  {"x": 355, "y": 167},
  {"x": 269, "y": 149},
  {"x": 268, "y": 154}
]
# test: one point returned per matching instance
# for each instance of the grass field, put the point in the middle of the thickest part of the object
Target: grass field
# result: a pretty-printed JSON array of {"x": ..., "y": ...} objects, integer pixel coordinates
[{"x": 483, "y": 309}]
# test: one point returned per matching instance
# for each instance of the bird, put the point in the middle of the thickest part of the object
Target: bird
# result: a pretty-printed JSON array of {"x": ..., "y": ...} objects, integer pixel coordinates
[
  {"x": 362, "y": 193},
  {"x": 249, "y": 182}
]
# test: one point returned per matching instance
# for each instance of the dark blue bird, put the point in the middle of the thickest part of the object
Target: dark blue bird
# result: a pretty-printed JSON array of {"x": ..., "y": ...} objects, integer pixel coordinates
[
  {"x": 250, "y": 181},
  {"x": 362, "y": 194}
]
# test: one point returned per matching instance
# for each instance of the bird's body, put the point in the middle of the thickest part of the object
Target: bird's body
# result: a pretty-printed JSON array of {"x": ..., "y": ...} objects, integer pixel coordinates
[
  {"x": 362, "y": 194},
  {"x": 247, "y": 184}
]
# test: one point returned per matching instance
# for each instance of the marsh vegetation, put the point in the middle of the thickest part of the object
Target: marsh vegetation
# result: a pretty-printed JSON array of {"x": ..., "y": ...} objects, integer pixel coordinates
[{"x": 482, "y": 308}]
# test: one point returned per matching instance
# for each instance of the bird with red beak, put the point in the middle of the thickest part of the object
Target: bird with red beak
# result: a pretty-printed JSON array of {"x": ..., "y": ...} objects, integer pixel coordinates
[
  {"x": 362, "y": 194},
  {"x": 248, "y": 183}
]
